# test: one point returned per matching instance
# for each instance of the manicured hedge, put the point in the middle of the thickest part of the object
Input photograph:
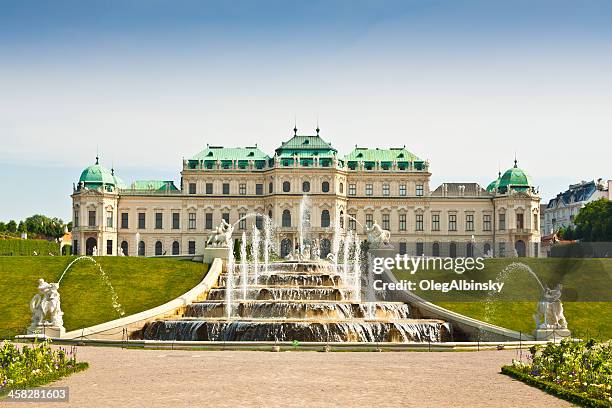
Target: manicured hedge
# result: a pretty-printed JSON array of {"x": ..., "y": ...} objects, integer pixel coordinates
[
  {"x": 554, "y": 389},
  {"x": 26, "y": 247}
]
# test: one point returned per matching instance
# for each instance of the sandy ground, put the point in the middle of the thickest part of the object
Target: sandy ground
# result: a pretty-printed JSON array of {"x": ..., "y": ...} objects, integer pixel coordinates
[{"x": 156, "y": 378}]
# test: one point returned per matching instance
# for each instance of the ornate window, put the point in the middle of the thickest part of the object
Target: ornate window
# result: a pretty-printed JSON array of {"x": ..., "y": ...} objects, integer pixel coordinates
[
  {"x": 386, "y": 189},
  {"x": 419, "y": 222},
  {"x": 419, "y": 190},
  {"x": 435, "y": 222},
  {"x": 369, "y": 189},
  {"x": 385, "y": 221},
  {"x": 286, "y": 186},
  {"x": 325, "y": 187},
  {"x": 306, "y": 186},
  {"x": 286, "y": 221},
  {"x": 325, "y": 218},
  {"x": 452, "y": 222},
  {"x": 402, "y": 190},
  {"x": 469, "y": 222},
  {"x": 192, "y": 221},
  {"x": 402, "y": 222},
  {"x": 242, "y": 189},
  {"x": 352, "y": 189},
  {"x": 242, "y": 222}
]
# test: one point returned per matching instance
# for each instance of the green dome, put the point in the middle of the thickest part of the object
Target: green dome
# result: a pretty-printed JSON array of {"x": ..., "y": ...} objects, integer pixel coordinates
[
  {"x": 492, "y": 187},
  {"x": 96, "y": 175},
  {"x": 515, "y": 179}
]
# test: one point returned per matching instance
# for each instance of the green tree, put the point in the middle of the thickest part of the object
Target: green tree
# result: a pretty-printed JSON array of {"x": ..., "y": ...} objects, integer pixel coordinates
[
  {"x": 2, "y": 227},
  {"x": 11, "y": 226},
  {"x": 21, "y": 227},
  {"x": 594, "y": 221},
  {"x": 43, "y": 225}
]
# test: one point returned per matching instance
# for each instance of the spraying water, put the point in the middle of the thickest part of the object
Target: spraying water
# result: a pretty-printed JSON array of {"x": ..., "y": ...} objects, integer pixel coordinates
[
  {"x": 304, "y": 224},
  {"x": 267, "y": 243},
  {"x": 357, "y": 269},
  {"x": 105, "y": 279},
  {"x": 255, "y": 253},
  {"x": 243, "y": 266},
  {"x": 229, "y": 286}
]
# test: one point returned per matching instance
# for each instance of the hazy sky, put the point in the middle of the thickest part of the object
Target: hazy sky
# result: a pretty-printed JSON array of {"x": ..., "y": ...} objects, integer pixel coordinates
[{"x": 465, "y": 84}]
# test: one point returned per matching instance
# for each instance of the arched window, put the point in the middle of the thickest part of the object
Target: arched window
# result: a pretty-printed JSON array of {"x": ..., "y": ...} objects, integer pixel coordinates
[
  {"x": 325, "y": 218},
  {"x": 286, "y": 221},
  {"x": 453, "y": 250},
  {"x": 176, "y": 249},
  {"x": 325, "y": 187},
  {"x": 285, "y": 247},
  {"x": 470, "y": 250},
  {"x": 487, "y": 249},
  {"x": 435, "y": 249},
  {"x": 141, "y": 248},
  {"x": 270, "y": 215},
  {"x": 520, "y": 248},
  {"x": 270, "y": 188},
  {"x": 341, "y": 188},
  {"x": 306, "y": 186},
  {"x": 286, "y": 186},
  {"x": 158, "y": 248},
  {"x": 325, "y": 248},
  {"x": 341, "y": 219},
  {"x": 124, "y": 248}
]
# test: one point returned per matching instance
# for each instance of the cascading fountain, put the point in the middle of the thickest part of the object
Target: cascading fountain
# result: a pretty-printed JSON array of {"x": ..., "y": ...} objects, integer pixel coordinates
[
  {"x": 297, "y": 299},
  {"x": 244, "y": 268},
  {"x": 255, "y": 253}
]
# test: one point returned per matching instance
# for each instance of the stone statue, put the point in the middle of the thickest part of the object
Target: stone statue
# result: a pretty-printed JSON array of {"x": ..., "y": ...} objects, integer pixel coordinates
[
  {"x": 221, "y": 236},
  {"x": 549, "y": 314},
  {"x": 94, "y": 251},
  {"x": 377, "y": 237},
  {"x": 46, "y": 305}
]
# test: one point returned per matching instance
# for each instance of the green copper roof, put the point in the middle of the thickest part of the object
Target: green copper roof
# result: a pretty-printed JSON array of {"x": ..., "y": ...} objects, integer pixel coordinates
[
  {"x": 230, "y": 153},
  {"x": 97, "y": 175},
  {"x": 383, "y": 155},
  {"x": 494, "y": 184},
  {"x": 306, "y": 146},
  {"x": 514, "y": 178},
  {"x": 153, "y": 185}
]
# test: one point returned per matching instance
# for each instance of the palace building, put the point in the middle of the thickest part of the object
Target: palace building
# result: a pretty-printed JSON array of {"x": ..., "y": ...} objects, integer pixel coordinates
[{"x": 386, "y": 185}]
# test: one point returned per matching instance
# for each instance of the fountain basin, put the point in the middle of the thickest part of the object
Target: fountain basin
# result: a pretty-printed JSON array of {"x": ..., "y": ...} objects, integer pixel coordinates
[
  {"x": 311, "y": 310},
  {"x": 339, "y": 331}
]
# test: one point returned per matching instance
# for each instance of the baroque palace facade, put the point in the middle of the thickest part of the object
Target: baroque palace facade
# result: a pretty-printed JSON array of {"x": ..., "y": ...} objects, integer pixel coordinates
[{"x": 387, "y": 186}]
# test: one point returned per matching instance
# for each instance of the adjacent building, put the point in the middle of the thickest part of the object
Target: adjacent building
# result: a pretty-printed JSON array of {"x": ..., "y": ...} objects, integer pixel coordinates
[
  {"x": 561, "y": 210},
  {"x": 244, "y": 186}
]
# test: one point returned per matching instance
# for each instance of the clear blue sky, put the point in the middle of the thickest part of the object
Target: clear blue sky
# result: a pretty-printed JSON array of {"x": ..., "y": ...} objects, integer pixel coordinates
[{"x": 465, "y": 84}]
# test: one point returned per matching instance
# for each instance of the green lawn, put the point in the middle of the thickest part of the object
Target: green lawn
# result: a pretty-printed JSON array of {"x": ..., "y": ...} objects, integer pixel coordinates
[
  {"x": 140, "y": 283},
  {"x": 587, "y": 293}
]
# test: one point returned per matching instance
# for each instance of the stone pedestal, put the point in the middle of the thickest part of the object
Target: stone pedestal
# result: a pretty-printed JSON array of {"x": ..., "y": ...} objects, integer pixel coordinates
[
  {"x": 210, "y": 253},
  {"x": 551, "y": 334},
  {"x": 48, "y": 331}
]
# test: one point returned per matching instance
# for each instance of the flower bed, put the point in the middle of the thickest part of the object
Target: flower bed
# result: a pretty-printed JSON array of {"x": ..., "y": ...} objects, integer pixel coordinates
[
  {"x": 578, "y": 371},
  {"x": 31, "y": 366}
]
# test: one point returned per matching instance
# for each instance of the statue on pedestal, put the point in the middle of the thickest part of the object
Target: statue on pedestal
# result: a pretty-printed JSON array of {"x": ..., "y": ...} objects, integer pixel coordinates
[
  {"x": 377, "y": 237},
  {"x": 549, "y": 314},
  {"x": 220, "y": 237},
  {"x": 46, "y": 305}
]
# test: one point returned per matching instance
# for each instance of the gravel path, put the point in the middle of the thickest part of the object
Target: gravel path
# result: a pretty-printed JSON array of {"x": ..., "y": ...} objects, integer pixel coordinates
[{"x": 157, "y": 378}]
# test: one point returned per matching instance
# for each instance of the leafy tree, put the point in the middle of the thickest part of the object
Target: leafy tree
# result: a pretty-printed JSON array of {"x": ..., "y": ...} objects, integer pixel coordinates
[
  {"x": 43, "y": 225},
  {"x": 2, "y": 227},
  {"x": 11, "y": 226},
  {"x": 21, "y": 227},
  {"x": 594, "y": 221}
]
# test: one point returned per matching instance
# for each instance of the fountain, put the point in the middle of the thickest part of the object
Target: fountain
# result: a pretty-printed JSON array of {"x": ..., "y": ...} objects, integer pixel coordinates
[
  {"x": 301, "y": 298},
  {"x": 46, "y": 303},
  {"x": 549, "y": 319}
]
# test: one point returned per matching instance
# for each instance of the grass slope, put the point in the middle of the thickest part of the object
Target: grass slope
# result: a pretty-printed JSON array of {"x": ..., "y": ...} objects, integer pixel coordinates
[
  {"x": 587, "y": 293},
  {"x": 140, "y": 283}
]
